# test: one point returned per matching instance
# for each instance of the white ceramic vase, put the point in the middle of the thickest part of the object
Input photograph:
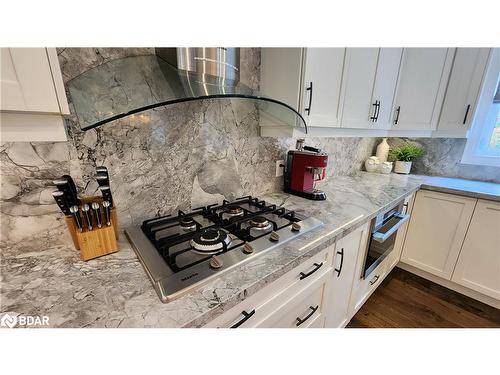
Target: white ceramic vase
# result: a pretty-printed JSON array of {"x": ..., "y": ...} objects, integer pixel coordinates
[
  {"x": 382, "y": 151},
  {"x": 403, "y": 167}
]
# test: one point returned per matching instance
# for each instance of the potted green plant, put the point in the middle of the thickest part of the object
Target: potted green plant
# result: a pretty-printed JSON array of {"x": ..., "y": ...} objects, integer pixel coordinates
[{"x": 404, "y": 155}]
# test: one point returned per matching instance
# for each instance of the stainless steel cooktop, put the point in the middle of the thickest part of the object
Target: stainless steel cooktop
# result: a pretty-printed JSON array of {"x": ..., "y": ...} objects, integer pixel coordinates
[{"x": 181, "y": 252}]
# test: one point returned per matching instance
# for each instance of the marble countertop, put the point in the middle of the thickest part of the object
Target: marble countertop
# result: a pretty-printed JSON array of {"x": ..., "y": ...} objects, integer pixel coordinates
[
  {"x": 45, "y": 276},
  {"x": 469, "y": 188}
]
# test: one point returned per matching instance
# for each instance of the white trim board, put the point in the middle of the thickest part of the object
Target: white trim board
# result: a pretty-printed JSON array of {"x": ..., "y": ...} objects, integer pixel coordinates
[{"x": 28, "y": 127}]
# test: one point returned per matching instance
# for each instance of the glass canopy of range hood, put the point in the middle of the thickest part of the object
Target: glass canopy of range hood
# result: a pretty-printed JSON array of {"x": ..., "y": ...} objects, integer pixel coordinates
[{"x": 130, "y": 85}]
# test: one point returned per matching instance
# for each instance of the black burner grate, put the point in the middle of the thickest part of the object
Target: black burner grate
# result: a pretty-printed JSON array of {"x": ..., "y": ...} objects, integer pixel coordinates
[{"x": 173, "y": 241}]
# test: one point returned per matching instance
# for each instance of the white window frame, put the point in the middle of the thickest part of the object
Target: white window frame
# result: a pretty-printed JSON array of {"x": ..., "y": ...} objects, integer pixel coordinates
[{"x": 470, "y": 155}]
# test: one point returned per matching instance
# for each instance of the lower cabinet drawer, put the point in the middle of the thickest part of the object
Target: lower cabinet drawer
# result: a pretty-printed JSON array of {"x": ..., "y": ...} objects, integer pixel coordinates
[
  {"x": 249, "y": 312},
  {"x": 305, "y": 309},
  {"x": 364, "y": 287}
]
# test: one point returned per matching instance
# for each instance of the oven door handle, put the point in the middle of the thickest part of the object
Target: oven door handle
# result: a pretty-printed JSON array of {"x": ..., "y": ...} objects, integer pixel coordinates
[{"x": 381, "y": 237}]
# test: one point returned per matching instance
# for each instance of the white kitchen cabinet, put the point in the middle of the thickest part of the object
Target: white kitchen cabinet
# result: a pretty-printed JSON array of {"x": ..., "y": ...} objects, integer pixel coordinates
[
  {"x": 368, "y": 86},
  {"x": 436, "y": 231},
  {"x": 478, "y": 266},
  {"x": 281, "y": 74},
  {"x": 321, "y": 90},
  {"x": 308, "y": 80},
  {"x": 304, "y": 310},
  {"x": 364, "y": 288},
  {"x": 268, "y": 304},
  {"x": 33, "y": 98},
  {"x": 422, "y": 83},
  {"x": 344, "y": 265},
  {"x": 463, "y": 90}
]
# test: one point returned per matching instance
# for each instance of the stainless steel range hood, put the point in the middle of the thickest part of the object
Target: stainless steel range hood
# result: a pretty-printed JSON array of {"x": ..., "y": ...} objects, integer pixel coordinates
[{"x": 130, "y": 85}]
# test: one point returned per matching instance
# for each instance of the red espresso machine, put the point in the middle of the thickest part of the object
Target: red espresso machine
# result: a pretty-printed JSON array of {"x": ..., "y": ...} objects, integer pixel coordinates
[{"x": 305, "y": 166}]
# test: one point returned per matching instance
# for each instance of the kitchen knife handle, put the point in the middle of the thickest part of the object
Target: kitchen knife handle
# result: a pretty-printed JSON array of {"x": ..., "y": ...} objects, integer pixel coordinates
[
  {"x": 61, "y": 201},
  {"x": 102, "y": 170},
  {"x": 76, "y": 217},
  {"x": 102, "y": 179},
  {"x": 106, "y": 194},
  {"x": 97, "y": 214},
  {"x": 86, "y": 213},
  {"x": 63, "y": 185},
  {"x": 72, "y": 186},
  {"x": 107, "y": 213}
]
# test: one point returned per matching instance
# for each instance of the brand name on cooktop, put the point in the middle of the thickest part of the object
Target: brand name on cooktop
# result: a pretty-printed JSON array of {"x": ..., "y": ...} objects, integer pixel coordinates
[{"x": 189, "y": 277}]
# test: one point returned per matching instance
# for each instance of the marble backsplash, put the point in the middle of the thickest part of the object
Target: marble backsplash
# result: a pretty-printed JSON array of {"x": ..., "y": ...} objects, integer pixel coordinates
[
  {"x": 161, "y": 160},
  {"x": 442, "y": 158}
]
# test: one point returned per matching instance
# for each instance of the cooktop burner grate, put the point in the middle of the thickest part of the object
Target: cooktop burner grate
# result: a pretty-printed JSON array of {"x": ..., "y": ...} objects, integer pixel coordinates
[
  {"x": 175, "y": 237},
  {"x": 180, "y": 252}
]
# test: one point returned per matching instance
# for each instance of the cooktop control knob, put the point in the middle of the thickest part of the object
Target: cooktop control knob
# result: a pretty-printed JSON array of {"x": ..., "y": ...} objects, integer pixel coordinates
[
  {"x": 216, "y": 262},
  {"x": 274, "y": 237},
  {"x": 296, "y": 227},
  {"x": 247, "y": 248}
]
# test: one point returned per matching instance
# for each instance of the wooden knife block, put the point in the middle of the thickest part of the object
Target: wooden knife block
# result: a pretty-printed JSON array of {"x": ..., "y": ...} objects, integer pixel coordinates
[{"x": 98, "y": 241}]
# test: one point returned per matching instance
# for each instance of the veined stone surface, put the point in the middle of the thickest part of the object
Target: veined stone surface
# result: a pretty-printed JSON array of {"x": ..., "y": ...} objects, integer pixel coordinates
[
  {"x": 43, "y": 275},
  {"x": 442, "y": 158},
  {"x": 160, "y": 160}
]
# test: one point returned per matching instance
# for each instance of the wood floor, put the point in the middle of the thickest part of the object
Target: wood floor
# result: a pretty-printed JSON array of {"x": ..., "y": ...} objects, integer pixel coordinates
[{"x": 404, "y": 300}]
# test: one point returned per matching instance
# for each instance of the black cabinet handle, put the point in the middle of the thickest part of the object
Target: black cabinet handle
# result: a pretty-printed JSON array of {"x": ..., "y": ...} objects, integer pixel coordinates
[
  {"x": 310, "y": 88},
  {"x": 397, "y": 115},
  {"x": 374, "y": 280},
  {"x": 304, "y": 275},
  {"x": 313, "y": 310},
  {"x": 246, "y": 316},
  {"x": 376, "y": 111},
  {"x": 341, "y": 253},
  {"x": 466, "y": 113}
]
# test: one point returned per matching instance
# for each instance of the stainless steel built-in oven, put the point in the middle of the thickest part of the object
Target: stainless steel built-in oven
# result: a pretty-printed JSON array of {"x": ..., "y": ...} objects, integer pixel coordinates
[{"x": 383, "y": 230}]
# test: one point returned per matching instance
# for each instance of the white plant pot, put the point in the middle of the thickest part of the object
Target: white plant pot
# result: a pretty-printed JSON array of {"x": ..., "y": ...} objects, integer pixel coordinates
[{"x": 402, "y": 167}]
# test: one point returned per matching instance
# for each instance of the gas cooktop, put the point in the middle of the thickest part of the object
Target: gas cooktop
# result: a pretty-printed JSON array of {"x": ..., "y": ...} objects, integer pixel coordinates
[{"x": 181, "y": 252}]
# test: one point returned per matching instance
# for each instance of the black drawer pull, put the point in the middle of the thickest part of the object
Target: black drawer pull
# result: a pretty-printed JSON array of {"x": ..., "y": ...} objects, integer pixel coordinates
[
  {"x": 310, "y": 88},
  {"x": 466, "y": 113},
  {"x": 246, "y": 316},
  {"x": 339, "y": 270},
  {"x": 317, "y": 267},
  {"x": 397, "y": 115},
  {"x": 374, "y": 280},
  {"x": 313, "y": 310}
]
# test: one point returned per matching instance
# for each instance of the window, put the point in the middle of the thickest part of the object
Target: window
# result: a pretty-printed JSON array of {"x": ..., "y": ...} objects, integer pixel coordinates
[{"x": 483, "y": 144}]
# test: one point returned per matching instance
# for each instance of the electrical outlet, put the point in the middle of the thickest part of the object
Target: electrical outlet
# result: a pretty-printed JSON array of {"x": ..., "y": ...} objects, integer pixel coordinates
[{"x": 280, "y": 167}]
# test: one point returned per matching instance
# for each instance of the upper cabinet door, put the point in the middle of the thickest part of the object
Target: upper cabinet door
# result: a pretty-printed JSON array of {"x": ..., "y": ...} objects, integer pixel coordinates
[
  {"x": 360, "y": 68},
  {"x": 389, "y": 62},
  {"x": 369, "y": 82},
  {"x": 321, "y": 86},
  {"x": 281, "y": 74},
  {"x": 422, "y": 83},
  {"x": 478, "y": 265},
  {"x": 26, "y": 81},
  {"x": 463, "y": 89}
]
